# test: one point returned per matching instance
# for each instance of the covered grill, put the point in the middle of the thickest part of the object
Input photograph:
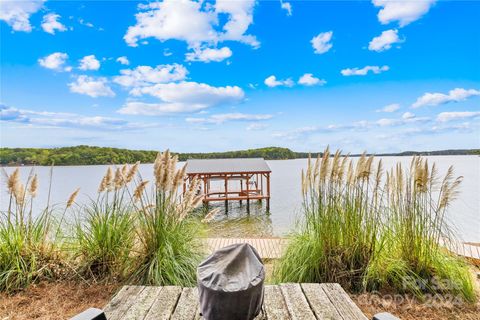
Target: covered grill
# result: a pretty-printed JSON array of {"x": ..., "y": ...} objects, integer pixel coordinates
[{"x": 230, "y": 283}]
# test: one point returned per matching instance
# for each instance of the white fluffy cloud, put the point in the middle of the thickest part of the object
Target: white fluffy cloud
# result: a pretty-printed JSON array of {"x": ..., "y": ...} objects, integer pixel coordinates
[
  {"x": 182, "y": 97},
  {"x": 181, "y": 20},
  {"x": 321, "y": 43},
  {"x": 50, "y": 23},
  {"x": 123, "y": 60},
  {"x": 407, "y": 118},
  {"x": 46, "y": 119},
  {"x": 256, "y": 126},
  {"x": 435, "y": 99},
  {"x": 89, "y": 63},
  {"x": 404, "y": 12},
  {"x": 287, "y": 6},
  {"x": 146, "y": 75},
  {"x": 273, "y": 82},
  {"x": 384, "y": 41},
  {"x": 364, "y": 71},
  {"x": 240, "y": 18},
  {"x": 55, "y": 61},
  {"x": 158, "y": 109},
  {"x": 209, "y": 54},
  {"x": 386, "y": 122},
  {"x": 309, "y": 80},
  {"x": 390, "y": 108},
  {"x": 93, "y": 87},
  {"x": 85, "y": 23},
  {"x": 408, "y": 115},
  {"x": 17, "y": 13},
  {"x": 221, "y": 118},
  {"x": 194, "y": 22},
  {"x": 193, "y": 93},
  {"x": 459, "y": 115}
]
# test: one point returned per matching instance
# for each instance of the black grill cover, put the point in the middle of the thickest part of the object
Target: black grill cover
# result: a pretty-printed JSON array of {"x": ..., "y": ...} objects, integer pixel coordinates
[{"x": 230, "y": 283}]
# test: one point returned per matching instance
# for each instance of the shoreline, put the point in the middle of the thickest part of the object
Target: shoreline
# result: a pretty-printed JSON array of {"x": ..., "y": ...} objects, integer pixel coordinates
[{"x": 181, "y": 161}]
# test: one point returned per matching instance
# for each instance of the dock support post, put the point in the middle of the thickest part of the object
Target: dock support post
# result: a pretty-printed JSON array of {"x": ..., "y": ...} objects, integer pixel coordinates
[
  {"x": 268, "y": 192},
  {"x": 226, "y": 194},
  {"x": 241, "y": 188},
  {"x": 248, "y": 194},
  {"x": 185, "y": 185}
]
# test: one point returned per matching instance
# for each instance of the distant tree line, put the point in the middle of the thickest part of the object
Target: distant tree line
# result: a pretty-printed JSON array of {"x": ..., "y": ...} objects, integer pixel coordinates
[{"x": 88, "y": 155}]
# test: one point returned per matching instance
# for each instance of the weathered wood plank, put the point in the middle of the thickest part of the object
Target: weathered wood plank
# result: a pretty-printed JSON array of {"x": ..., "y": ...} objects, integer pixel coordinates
[
  {"x": 274, "y": 304},
  {"x": 122, "y": 301},
  {"x": 342, "y": 302},
  {"x": 272, "y": 250},
  {"x": 296, "y": 302},
  {"x": 287, "y": 301},
  {"x": 187, "y": 305},
  {"x": 319, "y": 302},
  {"x": 142, "y": 303},
  {"x": 262, "y": 243},
  {"x": 165, "y": 303}
]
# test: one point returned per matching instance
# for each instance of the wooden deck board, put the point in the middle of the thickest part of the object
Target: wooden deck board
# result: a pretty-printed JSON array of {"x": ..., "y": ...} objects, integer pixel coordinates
[
  {"x": 274, "y": 304},
  {"x": 342, "y": 302},
  {"x": 296, "y": 302},
  {"x": 267, "y": 248},
  {"x": 122, "y": 301},
  {"x": 290, "y": 301},
  {"x": 165, "y": 303},
  {"x": 187, "y": 307},
  {"x": 142, "y": 303},
  {"x": 319, "y": 302}
]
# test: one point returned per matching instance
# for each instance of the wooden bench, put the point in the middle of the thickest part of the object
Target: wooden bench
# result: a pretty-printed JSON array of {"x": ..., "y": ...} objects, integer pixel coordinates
[{"x": 306, "y": 301}]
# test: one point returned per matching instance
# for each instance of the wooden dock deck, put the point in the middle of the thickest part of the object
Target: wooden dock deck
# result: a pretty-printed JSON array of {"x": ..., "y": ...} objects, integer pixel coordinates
[
  {"x": 468, "y": 250},
  {"x": 306, "y": 301},
  {"x": 267, "y": 248},
  {"x": 272, "y": 248}
]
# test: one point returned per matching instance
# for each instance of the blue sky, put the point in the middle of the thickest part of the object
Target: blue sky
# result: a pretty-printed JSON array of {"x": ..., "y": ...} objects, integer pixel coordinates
[{"x": 382, "y": 76}]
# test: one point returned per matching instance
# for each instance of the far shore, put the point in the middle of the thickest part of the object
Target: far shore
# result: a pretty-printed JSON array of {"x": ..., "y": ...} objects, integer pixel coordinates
[{"x": 91, "y": 155}]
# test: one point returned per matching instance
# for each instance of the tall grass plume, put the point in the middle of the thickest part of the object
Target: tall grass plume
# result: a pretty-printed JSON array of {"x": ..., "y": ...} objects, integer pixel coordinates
[{"x": 369, "y": 229}]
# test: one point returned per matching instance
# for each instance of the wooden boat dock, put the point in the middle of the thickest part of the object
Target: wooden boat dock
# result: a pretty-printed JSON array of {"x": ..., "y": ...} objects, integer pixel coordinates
[
  {"x": 231, "y": 180},
  {"x": 306, "y": 301}
]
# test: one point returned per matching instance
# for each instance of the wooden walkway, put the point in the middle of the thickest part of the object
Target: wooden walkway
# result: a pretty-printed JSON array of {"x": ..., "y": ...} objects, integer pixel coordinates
[
  {"x": 307, "y": 301},
  {"x": 467, "y": 250},
  {"x": 272, "y": 248},
  {"x": 267, "y": 248}
]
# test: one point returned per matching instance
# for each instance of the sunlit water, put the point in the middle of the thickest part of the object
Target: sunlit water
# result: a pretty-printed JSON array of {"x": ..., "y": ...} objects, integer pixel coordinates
[{"x": 285, "y": 203}]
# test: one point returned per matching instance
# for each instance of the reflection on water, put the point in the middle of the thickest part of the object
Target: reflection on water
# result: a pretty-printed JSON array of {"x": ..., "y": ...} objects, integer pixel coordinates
[{"x": 237, "y": 222}]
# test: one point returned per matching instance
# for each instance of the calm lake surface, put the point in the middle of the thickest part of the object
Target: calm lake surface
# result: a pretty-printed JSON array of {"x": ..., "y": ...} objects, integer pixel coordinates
[{"x": 285, "y": 203}]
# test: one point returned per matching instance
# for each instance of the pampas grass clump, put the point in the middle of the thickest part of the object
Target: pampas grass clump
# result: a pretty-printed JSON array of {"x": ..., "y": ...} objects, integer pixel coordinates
[
  {"x": 169, "y": 250},
  {"x": 29, "y": 242},
  {"x": 104, "y": 230},
  {"x": 370, "y": 230}
]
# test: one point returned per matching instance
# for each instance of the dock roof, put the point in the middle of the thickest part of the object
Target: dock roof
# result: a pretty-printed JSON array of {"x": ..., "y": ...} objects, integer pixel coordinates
[{"x": 235, "y": 165}]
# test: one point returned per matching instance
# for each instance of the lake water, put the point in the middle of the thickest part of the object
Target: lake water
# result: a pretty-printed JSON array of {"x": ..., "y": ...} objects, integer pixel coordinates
[{"x": 285, "y": 202}]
